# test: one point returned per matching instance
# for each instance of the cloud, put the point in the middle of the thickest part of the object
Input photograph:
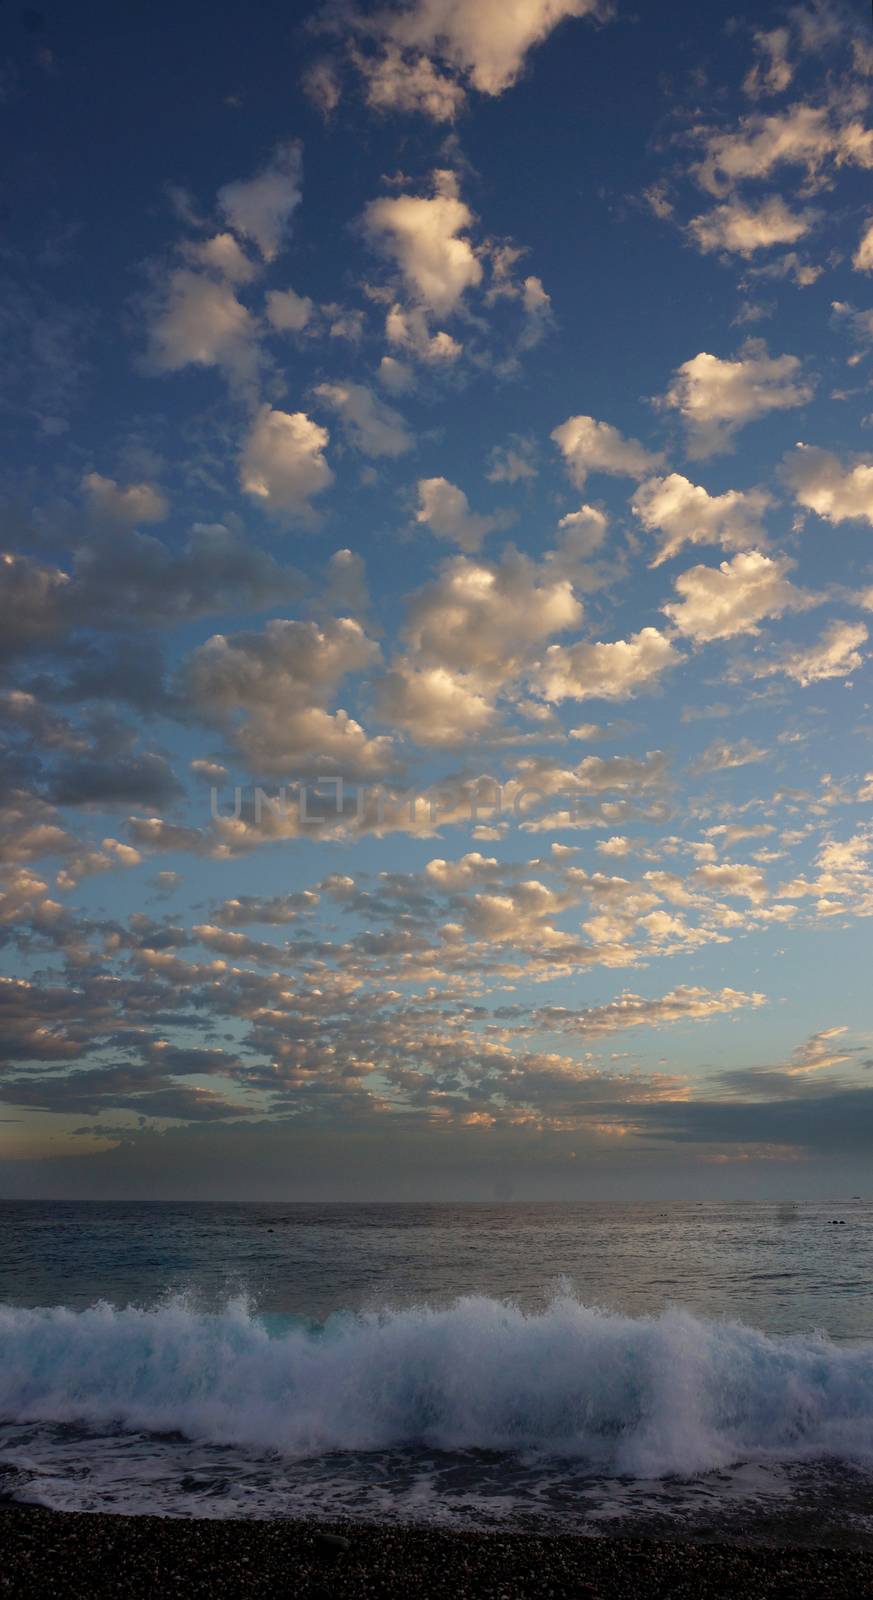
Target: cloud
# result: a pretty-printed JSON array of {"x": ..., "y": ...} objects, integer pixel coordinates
[
  {"x": 427, "y": 240},
  {"x": 742, "y": 229},
  {"x": 589, "y": 446},
  {"x": 142, "y": 581},
  {"x": 470, "y": 634},
  {"x": 223, "y": 255},
  {"x": 407, "y": 328},
  {"x": 537, "y": 306},
  {"x": 396, "y": 376},
  {"x": 487, "y": 42},
  {"x": 736, "y": 879},
  {"x": 688, "y": 1003},
  {"x": 615, "y": 671},
  {"x": 733, "y": 598},
  {"x": 261, "y": 208},
  {"x": 486, "y": 617},
  {"x": 429, "y": 51},
  {"x": 862, "y": 260},
  {"x": 716, "y": 398},
  {"x": 859, "y": 323},
  {"x": 274, "y": 912},
  {"x": 445, "y": 509},
  {"x": 122, "y": 780},
  {"x": 398, "y": 82},
  {"x": 803, "y": 135},
  {"x": 433, "y": 704},
  {"x": 772, "y": 72},
  {"x": 821, "y": 484},
  {"x": 514, "y": 462},
  {"x": 685, "y": 513},
  {"x": 33, "y": 601},
  {"x": 836, "y": 654},
  {"x": 136, "y": 502},
  {"x": 722, "y": 756},
  {"x": 321, "y": 85},
  {"x": 200, "y": 322},
  {"x": 820, "y": 1051},
  {"x": 269, "y": 693},
  {"x": 373, "y": 427},
  {"x": 283, "y": 465},
  {"x": 286, "y": 311}
]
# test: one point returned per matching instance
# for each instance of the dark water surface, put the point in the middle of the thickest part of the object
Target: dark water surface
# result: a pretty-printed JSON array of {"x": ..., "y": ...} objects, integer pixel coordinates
[{"x": 703, "y": 1367}]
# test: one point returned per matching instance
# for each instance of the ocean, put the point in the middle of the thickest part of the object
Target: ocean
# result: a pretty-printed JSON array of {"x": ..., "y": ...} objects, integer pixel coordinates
[{"x": 694, "y": 1369}]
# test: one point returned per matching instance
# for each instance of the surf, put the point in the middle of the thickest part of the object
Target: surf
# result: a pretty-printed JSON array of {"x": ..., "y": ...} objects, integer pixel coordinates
[{"x": 671, "y": 1394}]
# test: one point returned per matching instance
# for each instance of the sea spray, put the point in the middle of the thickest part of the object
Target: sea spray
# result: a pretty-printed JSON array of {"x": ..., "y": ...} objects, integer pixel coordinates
[{"x": 649, "y": 1396}]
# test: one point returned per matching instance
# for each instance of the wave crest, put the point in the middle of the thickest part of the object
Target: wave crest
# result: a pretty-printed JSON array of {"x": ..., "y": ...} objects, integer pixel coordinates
[{"x": 648, "y": 1396}]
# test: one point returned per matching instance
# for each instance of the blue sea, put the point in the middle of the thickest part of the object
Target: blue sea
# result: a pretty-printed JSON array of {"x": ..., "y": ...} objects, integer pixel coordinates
[{"x": 703, "y": 1369}]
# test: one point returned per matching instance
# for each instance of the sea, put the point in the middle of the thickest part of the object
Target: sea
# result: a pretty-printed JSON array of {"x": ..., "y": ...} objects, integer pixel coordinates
[{"x": 679, "y": 1370}]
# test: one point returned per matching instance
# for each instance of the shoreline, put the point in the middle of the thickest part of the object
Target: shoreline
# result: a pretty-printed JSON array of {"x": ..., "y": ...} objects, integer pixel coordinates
[{"x": 95, "y": 1554}]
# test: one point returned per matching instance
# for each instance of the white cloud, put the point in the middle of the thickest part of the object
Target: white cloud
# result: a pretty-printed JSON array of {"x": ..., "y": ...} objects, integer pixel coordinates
[
  {"x": 261, "y": 208},
  {"x": 283, "y": 463},
  {"x": 514, "y": 462},
  {"x": 407, "y": 327},
  {"x": 859, "y": 323},
  {"x": 373, "y": 427},
  {"x": 223, "y": 255},
  {"x": 432, "y": 49},
  {"x": 835, "y": 654},
  {"x": 286, "y": 311},
  {"x": 742, "y": 229},
  {"x": 717, "y": 397},
  {"x": 581, "y": 534},
  {"x": 397, "y": 82},
  {"x": 469, "y": 635},
  {"x": 134, "y": 503},
  {"x": 722, "y": 756},
  {"x": 201, "y": 323},
  {"x": 537, "y": 307},
  {"x": 445, "y": 509},
  {"x": 427, "y": 239},
  {"x": 614, "y": 671},
  {"x": 484, "y": 617},
  {"x": 791, "y": 265},
  {"x": 279, "y": 682},
  {"x": 395, "y": 375},
  {"x": 434, "y": 705},
  {"x": 821, "y": 483},
  {"x": 733, "y": 878},
  {"x": 589, "y": 446},
  {"x": 803, "y": 135},
  {"x": 684, "y": 513},
  {"x": 321, "y": 85},
  {"x": 772, "y": 72},
  {"x": 862, "y": 260},
  {"x": 733, "y": 598}
]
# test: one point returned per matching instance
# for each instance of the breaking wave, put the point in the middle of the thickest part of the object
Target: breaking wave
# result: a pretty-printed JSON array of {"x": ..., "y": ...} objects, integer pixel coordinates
[{"x": 649, "y": 1396}]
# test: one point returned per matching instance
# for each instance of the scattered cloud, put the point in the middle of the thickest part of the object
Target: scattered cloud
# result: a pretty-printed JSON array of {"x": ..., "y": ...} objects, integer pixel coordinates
[
  {"x": 283, "y": 465},
  {"x": 822, "y": 484},
  {"x": 733, "y": 598},
  {"x": 716, "y": 397},
  {"x": 742, "y": 229},
  {"x": 589, "y": 446},
  {"x": 445, "y": 509},
  {"x": 683, "y": 513}
]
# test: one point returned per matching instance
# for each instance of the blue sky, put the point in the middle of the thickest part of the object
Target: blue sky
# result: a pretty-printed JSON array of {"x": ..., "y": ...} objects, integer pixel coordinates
[{"x": 425, "y": 398}]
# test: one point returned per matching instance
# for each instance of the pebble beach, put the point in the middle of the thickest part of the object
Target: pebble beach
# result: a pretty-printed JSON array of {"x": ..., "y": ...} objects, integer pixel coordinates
[{"x": 48, "y": 1553}]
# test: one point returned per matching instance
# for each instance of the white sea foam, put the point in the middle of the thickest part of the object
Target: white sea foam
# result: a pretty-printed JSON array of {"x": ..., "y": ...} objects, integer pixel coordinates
[{"x": 668, "y": 1394}]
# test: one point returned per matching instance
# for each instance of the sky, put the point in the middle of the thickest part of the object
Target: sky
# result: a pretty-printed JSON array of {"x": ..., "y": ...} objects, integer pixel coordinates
[{"x": 437, "y": 596}]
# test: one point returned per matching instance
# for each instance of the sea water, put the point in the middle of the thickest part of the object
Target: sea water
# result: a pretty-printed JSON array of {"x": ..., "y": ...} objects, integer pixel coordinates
[{"x": 705, "y": 1368}]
